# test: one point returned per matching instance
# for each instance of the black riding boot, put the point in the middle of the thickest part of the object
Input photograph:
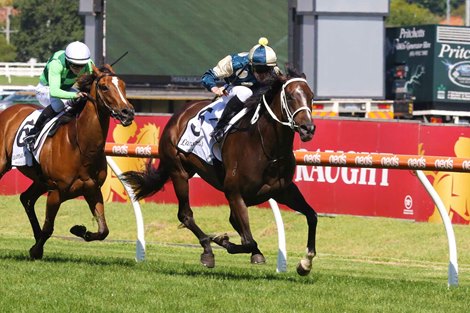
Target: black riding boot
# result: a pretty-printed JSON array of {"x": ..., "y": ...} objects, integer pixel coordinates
[
  {"x": 46, "y": 115},
  {"x": 232, "y": 107}
]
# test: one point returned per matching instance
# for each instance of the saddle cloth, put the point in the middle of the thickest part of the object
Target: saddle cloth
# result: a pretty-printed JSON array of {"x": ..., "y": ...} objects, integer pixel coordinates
[
  {"x": 196, "y": 137},
  {"x": 21, "y": 156}
]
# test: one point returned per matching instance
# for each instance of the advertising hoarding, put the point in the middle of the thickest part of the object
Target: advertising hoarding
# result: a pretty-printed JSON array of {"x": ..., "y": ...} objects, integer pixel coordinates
[
  {"x": 434, "y": 61},
  {"x": 330, "y": 190}
]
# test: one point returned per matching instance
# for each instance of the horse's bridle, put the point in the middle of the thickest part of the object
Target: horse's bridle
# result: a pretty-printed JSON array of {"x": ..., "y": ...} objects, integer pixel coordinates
[
  {"x": 290, "y": 116},
  {"x": 113, "y": 113}
]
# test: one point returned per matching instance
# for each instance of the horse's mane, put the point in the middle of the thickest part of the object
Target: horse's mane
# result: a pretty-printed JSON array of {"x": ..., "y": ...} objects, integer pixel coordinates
[
  {"x": 84, "y": 81},
  {"x": 272, "y": 88}
]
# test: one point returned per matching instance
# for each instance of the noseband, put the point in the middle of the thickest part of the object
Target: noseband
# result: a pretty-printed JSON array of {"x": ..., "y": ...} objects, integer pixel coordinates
[{"x": 290, "y": 115}]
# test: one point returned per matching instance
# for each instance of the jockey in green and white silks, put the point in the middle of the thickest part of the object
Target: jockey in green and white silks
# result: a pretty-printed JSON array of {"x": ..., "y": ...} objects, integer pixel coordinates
[
  {"x": 55, "y": 90},
  {"x": 242, "y": 72}
]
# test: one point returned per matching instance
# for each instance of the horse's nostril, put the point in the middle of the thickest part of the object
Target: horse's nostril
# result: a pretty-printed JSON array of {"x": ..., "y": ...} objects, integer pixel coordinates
[
  {"x": 127, "y": 112},
  {"x": 309, "y": 128},
  {"x": 312, "y": 128}
]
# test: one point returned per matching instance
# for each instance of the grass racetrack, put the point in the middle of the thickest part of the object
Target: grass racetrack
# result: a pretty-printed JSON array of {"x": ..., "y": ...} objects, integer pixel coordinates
[{"x": 363, "y": 265}]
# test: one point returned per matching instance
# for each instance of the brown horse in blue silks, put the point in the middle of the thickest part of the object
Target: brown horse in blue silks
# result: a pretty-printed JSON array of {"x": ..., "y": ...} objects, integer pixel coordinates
[{"x": 258, "y": 164}]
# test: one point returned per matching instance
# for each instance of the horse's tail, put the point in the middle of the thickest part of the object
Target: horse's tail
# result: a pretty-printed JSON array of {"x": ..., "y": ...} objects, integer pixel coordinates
[{"x": 148, "y": 182}]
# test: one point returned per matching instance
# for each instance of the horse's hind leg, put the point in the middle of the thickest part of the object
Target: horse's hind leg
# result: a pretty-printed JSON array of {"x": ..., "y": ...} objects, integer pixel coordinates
[
  {"x": 186, "y": 217},
  {"x": 94, "y": 199},
  {"x": 240, "y": 222},
  {"x": 293, "y": 198},
  {"x": 28, "y": 199},
  {"x": 52, "y": 206}
]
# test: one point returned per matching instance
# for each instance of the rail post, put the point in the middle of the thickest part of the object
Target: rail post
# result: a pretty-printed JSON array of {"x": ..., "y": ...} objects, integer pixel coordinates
[{"x": 140, "y": 244}]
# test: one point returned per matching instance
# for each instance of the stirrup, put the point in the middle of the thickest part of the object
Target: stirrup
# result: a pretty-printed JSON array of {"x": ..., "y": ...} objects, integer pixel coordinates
[
  {"x": 218, "y": 134},
  {"x": 30, "y": 140}
]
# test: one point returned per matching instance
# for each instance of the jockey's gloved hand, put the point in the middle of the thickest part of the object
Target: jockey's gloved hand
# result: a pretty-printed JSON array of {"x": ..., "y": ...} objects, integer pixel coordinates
[
  {"x": 81, "y": 94},
  {"x": 219, "y": 91}
]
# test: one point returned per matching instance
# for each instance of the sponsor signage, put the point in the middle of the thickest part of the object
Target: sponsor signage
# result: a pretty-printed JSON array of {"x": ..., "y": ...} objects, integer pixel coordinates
[
  {"x": 379, "y": 160},
  {"x": 433, "y": 63},
  {"x": 376, "y": 186}
]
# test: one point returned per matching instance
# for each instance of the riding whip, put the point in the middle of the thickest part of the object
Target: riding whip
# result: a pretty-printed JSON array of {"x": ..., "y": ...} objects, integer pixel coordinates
[{"x": 119, "y": 59}]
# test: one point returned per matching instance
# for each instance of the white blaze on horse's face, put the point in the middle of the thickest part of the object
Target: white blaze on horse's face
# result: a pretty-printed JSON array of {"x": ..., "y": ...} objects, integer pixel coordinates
[{"x": 115, "y": 82}]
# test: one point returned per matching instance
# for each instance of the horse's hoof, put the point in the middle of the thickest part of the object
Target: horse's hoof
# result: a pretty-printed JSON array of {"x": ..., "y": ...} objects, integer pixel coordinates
[
  {"x": 78, "y": 230},
  {"x": 303, "y": 269},
  {"x": 208, "y": 260},
  {"x": 258, "y": 259},
  {"x": 36, "y": 253}
]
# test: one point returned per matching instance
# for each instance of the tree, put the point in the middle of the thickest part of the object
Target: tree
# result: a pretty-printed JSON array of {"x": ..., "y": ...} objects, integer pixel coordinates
[
  {"x": 6, "y": 3},
  {"x": 7, "y": 52},
  {"x": 45, "y": 26},
  {"x": 438, "y": 7},
  {"x": 404, "y": 13}
]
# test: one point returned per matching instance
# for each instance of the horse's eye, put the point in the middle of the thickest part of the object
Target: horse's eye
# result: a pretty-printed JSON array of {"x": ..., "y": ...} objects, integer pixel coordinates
[{"x": 104, "y": 87}]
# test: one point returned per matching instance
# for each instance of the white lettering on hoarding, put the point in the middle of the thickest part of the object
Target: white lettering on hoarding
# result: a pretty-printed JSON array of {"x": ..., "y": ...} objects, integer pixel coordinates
[
  {"x": 412, "y": 33},
  {"x": 363, "y": 177},
  {"x": 391, "y": 161},
  {"x": 363, "y": 160},
  {"x": 312, "y": 158},
  {"x": 444, "y": 164},
  {"x": 337, "y": 159},
  {"x": 143, "y": 151},
  {"x": 457, "y": 53},
  {"x": 349, "y": 176},
  {"x": 466, "y": 165},
  {"x": 329, "y": 177},
  {"x": 122, "y": 149},
  {"x": 417, "y": 163}
]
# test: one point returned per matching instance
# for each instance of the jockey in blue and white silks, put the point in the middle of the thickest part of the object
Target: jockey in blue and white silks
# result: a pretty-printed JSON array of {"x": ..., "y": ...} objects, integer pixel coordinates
[{"x": 242, "y": 72}]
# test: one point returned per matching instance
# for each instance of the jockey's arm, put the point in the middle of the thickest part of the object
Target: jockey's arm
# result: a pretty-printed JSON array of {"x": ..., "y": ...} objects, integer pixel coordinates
[
  {"x": 55, "y": 72},
  {"x": 222, "y": 70}
]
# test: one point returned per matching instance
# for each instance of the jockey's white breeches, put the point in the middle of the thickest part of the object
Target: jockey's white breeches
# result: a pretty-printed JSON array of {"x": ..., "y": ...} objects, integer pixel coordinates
[
  {"x": 44, "y": 97},
  {"x": 242, "y": 92}
]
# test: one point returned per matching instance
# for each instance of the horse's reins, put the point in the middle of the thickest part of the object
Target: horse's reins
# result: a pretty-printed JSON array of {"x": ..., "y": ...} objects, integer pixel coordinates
[{"x": 284, "y": 106}]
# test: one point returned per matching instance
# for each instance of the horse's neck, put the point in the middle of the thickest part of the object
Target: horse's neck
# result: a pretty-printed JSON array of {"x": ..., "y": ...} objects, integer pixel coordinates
[
  {"x": 92, "y": 126},
  {"x": 282, "y": 137}
]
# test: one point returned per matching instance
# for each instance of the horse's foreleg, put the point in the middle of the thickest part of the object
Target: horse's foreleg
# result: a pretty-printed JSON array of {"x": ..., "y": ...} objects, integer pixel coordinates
[
  {"x": 52, "y": 207},
  {"x": 186, "y": 217},
  {"x": 28, "y": 199},
  {"x": 94, "y": 199},
  {"x": 293, "y": 198},
  {"x": 240, "y": 222}
]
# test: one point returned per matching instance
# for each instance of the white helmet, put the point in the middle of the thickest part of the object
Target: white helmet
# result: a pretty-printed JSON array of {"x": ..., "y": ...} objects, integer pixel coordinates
[
  {"x": 262, "y": 54},
  {"x": 77, "y": 53}
]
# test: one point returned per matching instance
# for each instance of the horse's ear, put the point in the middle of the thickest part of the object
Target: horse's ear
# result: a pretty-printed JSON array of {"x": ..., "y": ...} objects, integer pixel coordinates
[
  {"x": 110, "y": 69},
  {"x": 96, "y": 71},
  {"x": 303, "y": 76}
]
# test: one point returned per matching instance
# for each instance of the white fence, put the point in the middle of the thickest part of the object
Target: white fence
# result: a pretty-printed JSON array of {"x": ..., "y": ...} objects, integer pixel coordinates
[{"x": 10, "y": 69}]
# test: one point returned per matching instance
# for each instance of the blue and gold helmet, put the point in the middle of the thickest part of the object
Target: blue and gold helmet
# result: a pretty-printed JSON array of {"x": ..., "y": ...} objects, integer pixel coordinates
[{"x": 262, "y": 54}]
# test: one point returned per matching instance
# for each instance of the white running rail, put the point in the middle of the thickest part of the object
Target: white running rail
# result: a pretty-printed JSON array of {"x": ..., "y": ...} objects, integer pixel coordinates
[{"x": 10, "y": 69}]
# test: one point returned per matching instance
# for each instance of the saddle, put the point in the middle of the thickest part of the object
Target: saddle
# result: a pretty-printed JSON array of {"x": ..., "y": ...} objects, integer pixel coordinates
[{"x": 75, "y": 109}]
